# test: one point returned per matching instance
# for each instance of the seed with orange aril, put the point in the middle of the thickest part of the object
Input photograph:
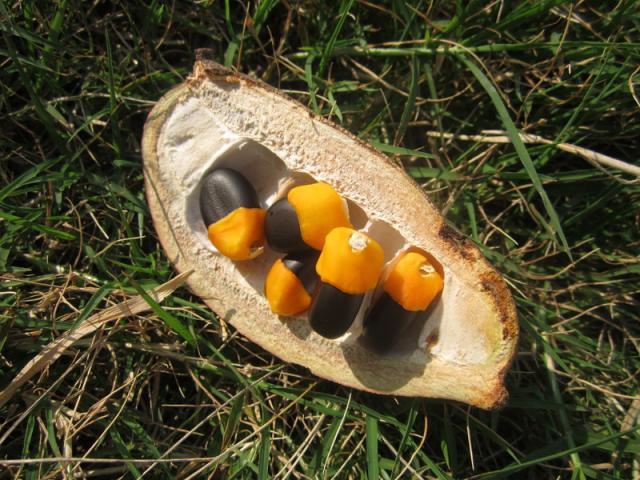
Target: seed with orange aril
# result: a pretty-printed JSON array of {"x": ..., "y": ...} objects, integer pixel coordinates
[
  {"x": 349, "y": 266},
  {"x": 239, "y": 235},
  {"x": 413, "y": 282},
  {"x": 303, "y": 219},
  {"x": 411, "y": 286},
  {"x": 290, "y": 283},
  {"x": 231, "y": 211}
]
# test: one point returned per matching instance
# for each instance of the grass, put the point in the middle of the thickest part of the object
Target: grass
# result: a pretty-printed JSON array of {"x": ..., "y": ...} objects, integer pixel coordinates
[{"x": 173, "y": 392}]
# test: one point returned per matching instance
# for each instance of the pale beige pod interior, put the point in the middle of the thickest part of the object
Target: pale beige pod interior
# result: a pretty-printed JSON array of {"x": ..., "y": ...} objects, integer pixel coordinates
[{"x": 462, "y": 346}]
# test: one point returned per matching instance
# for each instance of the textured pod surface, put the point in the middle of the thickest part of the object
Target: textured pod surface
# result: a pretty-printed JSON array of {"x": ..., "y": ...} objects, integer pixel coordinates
[{"x": 467, "y": 343}]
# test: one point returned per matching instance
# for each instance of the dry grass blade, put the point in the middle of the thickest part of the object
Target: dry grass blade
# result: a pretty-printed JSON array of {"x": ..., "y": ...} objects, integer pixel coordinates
[
  {"x": 589, "y": 155},
  {"x": 52, "y": 352},
  {"x": 630, "y": 420}
]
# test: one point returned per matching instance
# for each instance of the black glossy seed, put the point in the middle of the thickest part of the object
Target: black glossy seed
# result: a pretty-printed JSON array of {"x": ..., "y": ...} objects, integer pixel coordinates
[
  {"x": 224, "y": 190},
  {"x": 282, "y": 229},
  {"x": 303, "y": 266},
  {"x": 385, "y": 323},
  {"x": 333, "y": 311}
]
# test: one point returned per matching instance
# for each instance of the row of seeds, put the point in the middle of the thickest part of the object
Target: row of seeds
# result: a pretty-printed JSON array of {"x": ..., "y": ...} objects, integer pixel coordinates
[{"x": 328, "y": 266}]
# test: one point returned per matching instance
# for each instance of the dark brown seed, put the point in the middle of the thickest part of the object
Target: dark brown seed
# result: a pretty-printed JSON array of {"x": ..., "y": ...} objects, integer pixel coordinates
[
  {"x": 333, "y": 311},
  {"x": 282, "y": 229},
  {"x": 223, "y": 191},
  {"x": 385, "y": 323},
  {"x": 303, "y": 266}
]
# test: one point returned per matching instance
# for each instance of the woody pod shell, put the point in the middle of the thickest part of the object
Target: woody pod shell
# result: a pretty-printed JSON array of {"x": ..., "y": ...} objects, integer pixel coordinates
[{"x": 218, "y": 118}]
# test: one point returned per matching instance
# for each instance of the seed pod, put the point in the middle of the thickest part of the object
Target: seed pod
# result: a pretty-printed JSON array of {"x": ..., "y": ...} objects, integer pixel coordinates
[
  {"x": 349, "y": 266},
  {"x": 411, "y": 286},
  {"x": 290, "y": 283},
  {"x": 477, "y": 331},
  {"x": 305, "y": 217},
  {"x": 231, "y": 211}
]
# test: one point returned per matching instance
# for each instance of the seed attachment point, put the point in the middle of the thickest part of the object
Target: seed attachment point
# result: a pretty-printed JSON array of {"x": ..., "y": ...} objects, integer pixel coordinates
[
  {"x": 426, "y": 269},
  {"x": 358, "y": 242}
]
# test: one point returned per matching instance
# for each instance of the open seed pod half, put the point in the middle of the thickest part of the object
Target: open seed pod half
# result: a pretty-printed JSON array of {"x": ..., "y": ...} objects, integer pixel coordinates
[{"x": 459, "y": 347}]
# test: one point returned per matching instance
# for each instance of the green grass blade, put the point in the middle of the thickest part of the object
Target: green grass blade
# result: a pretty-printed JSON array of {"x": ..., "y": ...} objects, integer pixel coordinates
[
  {"x": 410, "y": 104},
  {"x": 262, "y": 13},
  {"x": 54, "y": 29},
  {"x": 265, "y": 449},
  {"x": 123, "y": 450},
  {"x": 421, "y": 173},
  {"x": 345, "y": 6},
  {"x": 233, "y": 421},
  {"x": 396, "y": 150},
  {"x": 44, "y": 116},
  {"x": 413, "y": 414},
  {"x": 93, "y": 303},
  {"x": 227, "y": 18},
  {"x": 520, "y": 148},
  {"x": 513, "y": 468},
  {"x": 27, "y": 438},
  {"x": 51, "y": 433},
  {"x": 113, "y": 102},
  {"x": 371, "y": 431},
  {"x": 171, "y": 321}
]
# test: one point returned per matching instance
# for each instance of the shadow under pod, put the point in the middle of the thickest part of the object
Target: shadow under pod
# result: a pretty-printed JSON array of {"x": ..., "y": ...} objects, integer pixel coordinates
[
  {"x": 391, "y": 370},
  {"x": 383, "y": 373},
  {"x": 426, "y": 323},
  {"x": 299, "y": 326}
]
